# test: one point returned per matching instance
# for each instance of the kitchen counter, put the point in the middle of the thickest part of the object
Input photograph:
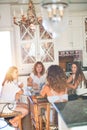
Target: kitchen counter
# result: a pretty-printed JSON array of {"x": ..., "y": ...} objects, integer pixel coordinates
[{"x": 72, "y": 114}]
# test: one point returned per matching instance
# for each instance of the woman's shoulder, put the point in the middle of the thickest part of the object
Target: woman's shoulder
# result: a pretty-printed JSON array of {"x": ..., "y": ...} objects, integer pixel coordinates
[
  {"x": 46, "y": 87},
  {"x": 45, "y": 90},
  {"x": 8, "y": 83},
  {"x": 32, "y": 75}
]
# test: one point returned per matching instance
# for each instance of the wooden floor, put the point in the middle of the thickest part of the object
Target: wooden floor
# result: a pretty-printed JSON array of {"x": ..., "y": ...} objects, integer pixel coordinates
[{"x": 26, "y": 123}]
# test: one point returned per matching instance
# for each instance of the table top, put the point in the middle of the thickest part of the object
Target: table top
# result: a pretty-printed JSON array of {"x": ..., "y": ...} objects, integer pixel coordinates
[
  {"x": 31, "y": 91},
  {"x": 4, "y": 115},
  {"x": 35, "y": 97},
  {"x": 38, "y": 99},
  {"x": 74, "y": 113}
]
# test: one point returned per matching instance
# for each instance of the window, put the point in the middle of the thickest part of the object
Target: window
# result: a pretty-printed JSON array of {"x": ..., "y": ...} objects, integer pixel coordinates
[{"x": 5, "y": 54}]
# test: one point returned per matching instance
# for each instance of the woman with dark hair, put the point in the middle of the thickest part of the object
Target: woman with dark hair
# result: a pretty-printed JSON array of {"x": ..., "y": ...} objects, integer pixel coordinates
[
  {"x": 56, "y": 87},
  {"x": 77, "y": 80},
  {"x": 38, "y": 77},
  {"x": 55, "y": 90}
]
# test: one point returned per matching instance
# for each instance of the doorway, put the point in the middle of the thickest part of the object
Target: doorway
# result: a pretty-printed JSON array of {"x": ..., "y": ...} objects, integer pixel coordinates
[{"x": 5, "y": 54}]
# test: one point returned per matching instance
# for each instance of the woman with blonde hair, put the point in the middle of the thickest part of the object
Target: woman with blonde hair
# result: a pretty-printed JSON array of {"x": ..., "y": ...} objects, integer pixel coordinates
[{"x": 11, "y": 92}]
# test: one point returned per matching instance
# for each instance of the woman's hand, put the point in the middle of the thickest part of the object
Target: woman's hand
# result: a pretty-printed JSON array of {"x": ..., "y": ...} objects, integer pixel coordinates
[
  {"x": 20, "y": 85},
  {"x": 70, "y": 79},
  {"x": 18, "y": 95}
]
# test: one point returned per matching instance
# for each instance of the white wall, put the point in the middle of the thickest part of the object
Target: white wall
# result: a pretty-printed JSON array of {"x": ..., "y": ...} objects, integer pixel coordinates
[
  {"x": 5, "y": 17},
  {"x": 64, "y": 42}
]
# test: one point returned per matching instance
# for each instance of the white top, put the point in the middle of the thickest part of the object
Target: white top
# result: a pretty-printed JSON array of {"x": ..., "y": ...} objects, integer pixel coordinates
[
  {"x": 81, "y": 90},
  {"x": 9, "y": 90},
  {"x": 57, "y": 98},
  {"x": 39, "y": 80}
]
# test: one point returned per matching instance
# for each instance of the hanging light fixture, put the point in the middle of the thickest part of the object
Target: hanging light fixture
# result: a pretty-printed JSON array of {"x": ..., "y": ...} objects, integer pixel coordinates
[
  {"x": 55, "y": 16},
  {"x": 29, "y": 19}
]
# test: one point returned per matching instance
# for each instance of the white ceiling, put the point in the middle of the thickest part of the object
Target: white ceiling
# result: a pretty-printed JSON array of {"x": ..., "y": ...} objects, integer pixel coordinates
[
  {"x": 75, "y": 5},
  {"x": 39, "y": 1}
]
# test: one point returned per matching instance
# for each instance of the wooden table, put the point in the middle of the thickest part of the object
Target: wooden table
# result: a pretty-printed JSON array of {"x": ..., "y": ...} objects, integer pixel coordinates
[{"x": 37, "y": 103}]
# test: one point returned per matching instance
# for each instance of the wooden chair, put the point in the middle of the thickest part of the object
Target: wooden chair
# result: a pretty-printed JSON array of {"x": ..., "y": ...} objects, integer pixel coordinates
[
  {"x": 20, "y": 123},
  {"x": 45, "y": 106},
  {"x": 8, "y": 115},
  {"x": 36, "y": 116}
]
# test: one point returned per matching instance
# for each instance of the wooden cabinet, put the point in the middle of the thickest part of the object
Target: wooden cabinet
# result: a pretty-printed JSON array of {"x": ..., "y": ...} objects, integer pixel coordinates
[
  {"x": 33, "y": 45},
  {"x": 5, "y": 18}
]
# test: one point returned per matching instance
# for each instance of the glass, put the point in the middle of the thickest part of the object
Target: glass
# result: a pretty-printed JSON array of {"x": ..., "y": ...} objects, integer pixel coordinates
[
  {"x": 26, "y": 33},
  {"x": 36, "y": 45},
  {"x": 47, "y": 52},
  {"x": 28, "y": 53}
]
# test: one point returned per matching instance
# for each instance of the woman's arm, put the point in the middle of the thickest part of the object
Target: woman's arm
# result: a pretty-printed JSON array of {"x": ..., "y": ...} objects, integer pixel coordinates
[
  {"x": 29, "y": 81},
  {"x": 18, "y": 94},
  {"x": 45, "y": 90},
  {"x": 20, "y": 84},
  {"x": 32, "y": 84},
  {"x": 70, "y": 79},
  {"x": 74, "y": 86},
  {"x": 70, "y": 82}
]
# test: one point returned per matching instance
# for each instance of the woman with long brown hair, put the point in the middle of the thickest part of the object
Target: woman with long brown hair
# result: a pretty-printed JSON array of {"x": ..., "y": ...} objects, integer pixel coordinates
[
  {"x": 55, "y": 90},
  {"x": 38, "y": 77},
  {"x": 56, "y": 87},
  {"x": 76, "y": 81}
]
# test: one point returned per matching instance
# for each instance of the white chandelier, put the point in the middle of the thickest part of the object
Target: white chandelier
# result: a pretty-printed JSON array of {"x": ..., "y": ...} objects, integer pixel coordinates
[{"x": 55, "y": 16}]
